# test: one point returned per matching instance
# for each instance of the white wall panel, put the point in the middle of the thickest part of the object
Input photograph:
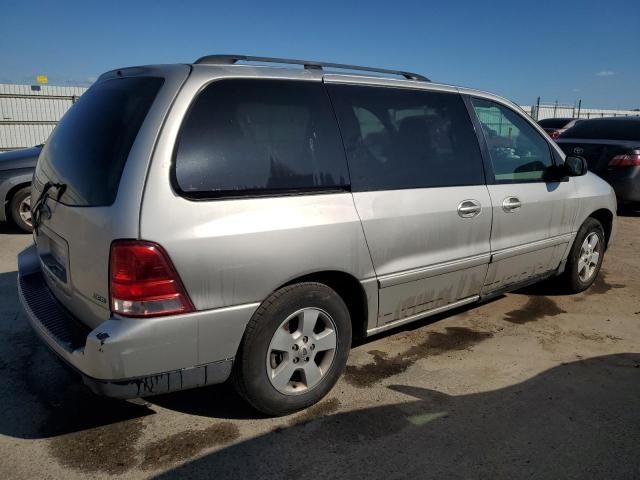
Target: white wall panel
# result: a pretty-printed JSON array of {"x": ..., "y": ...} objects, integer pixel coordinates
[{"x": 29, "y": 113}]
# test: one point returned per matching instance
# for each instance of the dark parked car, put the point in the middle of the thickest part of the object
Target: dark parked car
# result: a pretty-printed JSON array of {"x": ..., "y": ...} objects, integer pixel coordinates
[
  {"x": 16, "y": 171},
  {"x": 556, "y": 126},
  {"x": 612, "y": 149}
]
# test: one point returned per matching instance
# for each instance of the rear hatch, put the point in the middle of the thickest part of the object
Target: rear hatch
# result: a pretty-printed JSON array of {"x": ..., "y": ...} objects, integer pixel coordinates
[
  {"x": 599, "y": 140},
  {"x": 90, "y": 176},
  {"x": 597, "y": 152}
]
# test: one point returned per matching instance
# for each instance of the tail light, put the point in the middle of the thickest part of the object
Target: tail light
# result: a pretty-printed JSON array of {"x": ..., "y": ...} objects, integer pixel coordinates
[
  {"x": 626, "y": 159},
  {"x": 554, "y": 134},
  {"x": 144, "y": 282}
]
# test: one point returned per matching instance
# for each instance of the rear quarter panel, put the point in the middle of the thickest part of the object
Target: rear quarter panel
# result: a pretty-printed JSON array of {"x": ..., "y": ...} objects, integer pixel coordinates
[{"x": 237, "y": 251}]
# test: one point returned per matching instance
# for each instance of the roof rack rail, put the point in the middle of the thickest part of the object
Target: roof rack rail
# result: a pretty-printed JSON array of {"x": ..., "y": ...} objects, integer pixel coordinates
[{"x": 308, "y": 64}]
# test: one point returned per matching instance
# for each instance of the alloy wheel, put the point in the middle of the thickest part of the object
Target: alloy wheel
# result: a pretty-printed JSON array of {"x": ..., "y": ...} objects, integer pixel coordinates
[
  {"x": 301, "y": 351},
  {"x": 24, "y": 210},
  {"x": 589, "y": 257}
]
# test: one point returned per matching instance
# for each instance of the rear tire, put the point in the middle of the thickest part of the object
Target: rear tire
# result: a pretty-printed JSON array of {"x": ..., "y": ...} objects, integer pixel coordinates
[
  {"x": 20, "y": 209},
  {"x": 294, "y": 349},
  {"x": 585, "y": 258}
]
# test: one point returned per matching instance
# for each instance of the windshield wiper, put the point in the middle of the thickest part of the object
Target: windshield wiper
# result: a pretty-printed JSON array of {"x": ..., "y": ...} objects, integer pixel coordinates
[{"x": 36, "y": 209}]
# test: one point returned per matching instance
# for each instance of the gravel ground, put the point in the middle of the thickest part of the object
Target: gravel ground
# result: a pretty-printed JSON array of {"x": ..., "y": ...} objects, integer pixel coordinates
[{"x": 533, "y": 384}]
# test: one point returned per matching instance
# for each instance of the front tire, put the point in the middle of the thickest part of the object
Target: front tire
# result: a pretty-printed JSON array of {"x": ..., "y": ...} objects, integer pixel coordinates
[
  {"x": 20, "y": 209},
  {"x": 294, "y": 349},
  {"x": 585, "y": 258}
]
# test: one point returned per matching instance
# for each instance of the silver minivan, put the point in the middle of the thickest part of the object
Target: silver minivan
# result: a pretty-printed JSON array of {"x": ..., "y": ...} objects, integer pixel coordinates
[{"x": 228, "y": 218}]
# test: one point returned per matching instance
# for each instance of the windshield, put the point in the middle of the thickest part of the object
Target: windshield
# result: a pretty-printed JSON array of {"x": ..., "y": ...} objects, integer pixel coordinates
[{"x": 89, "y": 148}]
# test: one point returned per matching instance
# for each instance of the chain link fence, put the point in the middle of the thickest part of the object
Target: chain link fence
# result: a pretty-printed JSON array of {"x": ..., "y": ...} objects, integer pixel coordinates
[
  {"x": 540, "y": 111},
  {"x": 28, "y": 113}
]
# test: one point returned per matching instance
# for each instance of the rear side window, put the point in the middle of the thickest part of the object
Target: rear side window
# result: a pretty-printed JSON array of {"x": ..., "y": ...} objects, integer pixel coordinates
[
  {"x": 606, "y": 129},
  {"x": 88, "y": 149},
  {"x": 244, "y": 137},
  {"x": 401, "y": 138}
]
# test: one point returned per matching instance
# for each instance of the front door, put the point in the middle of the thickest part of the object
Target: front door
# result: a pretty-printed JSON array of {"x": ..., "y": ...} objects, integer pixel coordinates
[
  {"x": 419, "y": 188},
  {"x": 532, "y": 218}
]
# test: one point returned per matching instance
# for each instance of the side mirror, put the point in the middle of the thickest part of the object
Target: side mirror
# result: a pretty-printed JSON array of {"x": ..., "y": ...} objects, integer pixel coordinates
[{"x": 575, "y": 166}]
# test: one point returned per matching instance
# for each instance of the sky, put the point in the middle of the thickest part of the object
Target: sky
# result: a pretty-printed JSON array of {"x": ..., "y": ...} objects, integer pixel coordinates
[{"x": 562, "y": 51}]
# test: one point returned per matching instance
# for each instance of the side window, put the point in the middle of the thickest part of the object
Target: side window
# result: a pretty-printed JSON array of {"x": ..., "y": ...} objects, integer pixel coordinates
[
  {"x": 518, "y": 152},
  {"x": 375, "y": 135},
  {"x": 250, "y": 136},
  {"x": 401, "y": 138}
]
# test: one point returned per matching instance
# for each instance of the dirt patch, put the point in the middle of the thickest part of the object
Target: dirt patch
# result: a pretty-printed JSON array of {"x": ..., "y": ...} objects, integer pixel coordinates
[
  {"x": 186, "y": 444},
  {"x": 110, "y": 448},
  {"x": 536, "y": 308},
  {"x": 319, "y": 410},
  {"x": 595, "y": 337},
  {"x": 600, "y": 285},
  {"x": 383, "y": 366}
]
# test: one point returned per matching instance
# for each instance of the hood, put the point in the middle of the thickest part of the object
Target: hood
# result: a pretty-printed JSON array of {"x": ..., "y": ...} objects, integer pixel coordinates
[{"x": 23, "y": 158}]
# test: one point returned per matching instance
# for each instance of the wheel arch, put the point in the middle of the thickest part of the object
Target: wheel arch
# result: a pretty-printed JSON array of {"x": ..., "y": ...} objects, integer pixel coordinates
[
  {"x": 605, "y": 217},
  {"x": 349, "y": 289}
]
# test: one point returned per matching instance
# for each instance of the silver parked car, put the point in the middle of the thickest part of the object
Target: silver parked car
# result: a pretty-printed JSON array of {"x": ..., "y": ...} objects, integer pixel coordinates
[
  {"x": 198, "y": 222},
  {"x": 16, "y": 171}
]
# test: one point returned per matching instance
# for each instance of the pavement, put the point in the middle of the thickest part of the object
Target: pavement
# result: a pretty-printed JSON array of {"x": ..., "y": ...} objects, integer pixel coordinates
[{"x": 531, "y": 385}]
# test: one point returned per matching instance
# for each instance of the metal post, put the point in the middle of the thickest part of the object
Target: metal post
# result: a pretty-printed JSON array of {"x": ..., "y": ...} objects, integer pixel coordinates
[
  {"x": 579, "y": 106},
  {"x": 555, "y": 108},
  {"x": 537, "y": 117}
]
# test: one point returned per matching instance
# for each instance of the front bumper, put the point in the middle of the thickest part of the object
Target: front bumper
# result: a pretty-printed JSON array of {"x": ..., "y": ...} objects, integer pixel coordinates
[{"x": 128, "y": 357}]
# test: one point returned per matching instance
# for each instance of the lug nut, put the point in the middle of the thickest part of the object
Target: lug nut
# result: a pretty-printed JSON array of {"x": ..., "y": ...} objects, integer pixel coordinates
[
  {"x": 305, "y": 339},
  {"x": 313, "y": 346},
  {"x": 296, "y": 360},
  {"x": 295, "y": 346},
  {"x": 306, "y": 359}
]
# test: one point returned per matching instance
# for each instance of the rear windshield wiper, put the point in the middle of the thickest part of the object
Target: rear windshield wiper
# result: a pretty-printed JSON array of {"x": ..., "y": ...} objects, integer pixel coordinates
[{"x": 36, "y": 209}]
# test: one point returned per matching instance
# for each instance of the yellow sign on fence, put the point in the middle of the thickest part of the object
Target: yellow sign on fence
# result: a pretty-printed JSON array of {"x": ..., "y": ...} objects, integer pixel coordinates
[{"x": 42, "y": 79}]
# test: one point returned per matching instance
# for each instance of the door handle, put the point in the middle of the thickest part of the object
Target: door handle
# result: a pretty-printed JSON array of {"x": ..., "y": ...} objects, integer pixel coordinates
[
  {"x": 469, "y": 208},
  {"x": 510, "y": 204}
]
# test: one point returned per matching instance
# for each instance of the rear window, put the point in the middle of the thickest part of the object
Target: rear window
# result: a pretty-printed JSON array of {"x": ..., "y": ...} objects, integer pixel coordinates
[
  {"x": 605, "y": 129},
  {"x": 88, "y": 149},
  {"x": 245, "y": 137},
  {"x": 554, "y": 122}
]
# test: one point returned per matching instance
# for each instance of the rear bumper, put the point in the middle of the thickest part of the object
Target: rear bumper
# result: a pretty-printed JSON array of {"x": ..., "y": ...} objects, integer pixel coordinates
[
  {"x": 625, "y": 182},
  {"x": 127, "y": 357}
]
